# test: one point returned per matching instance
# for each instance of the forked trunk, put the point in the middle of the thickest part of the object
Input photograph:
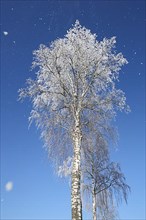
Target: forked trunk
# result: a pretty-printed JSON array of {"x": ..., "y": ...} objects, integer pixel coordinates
[
  {"x": 76, "y": 175},
  {"x": 94, "y": 203}
]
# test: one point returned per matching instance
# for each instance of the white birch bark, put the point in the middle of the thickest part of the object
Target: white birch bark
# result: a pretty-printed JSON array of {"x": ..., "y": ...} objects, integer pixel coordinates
[
  {"x": 76, "y": 173},
  {"x": 94, "y": 202}
]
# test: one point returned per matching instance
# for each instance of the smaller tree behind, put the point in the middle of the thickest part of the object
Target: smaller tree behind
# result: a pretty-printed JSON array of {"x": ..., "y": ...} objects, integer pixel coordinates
[{"x": 102, "y": 179}]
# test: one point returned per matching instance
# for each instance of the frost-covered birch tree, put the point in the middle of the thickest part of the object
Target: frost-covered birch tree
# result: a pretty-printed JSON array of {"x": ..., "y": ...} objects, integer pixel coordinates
[
  {"x": 103, "y": 179},
  {"x": 75, "y": 78}
]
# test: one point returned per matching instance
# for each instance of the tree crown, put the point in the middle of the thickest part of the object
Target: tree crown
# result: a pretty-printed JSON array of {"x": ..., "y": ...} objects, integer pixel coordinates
[{"x": 76, "y": 76}]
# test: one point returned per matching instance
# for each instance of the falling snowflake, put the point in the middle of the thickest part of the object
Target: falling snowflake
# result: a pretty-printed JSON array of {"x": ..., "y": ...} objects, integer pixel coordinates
[
  {"x": 5, "y": 33},
  {"x": 9, "y": 186}
]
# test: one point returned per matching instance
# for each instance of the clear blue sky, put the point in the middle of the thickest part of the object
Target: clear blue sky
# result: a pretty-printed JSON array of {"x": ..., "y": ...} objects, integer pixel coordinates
[{"x": 37, "y": 193}]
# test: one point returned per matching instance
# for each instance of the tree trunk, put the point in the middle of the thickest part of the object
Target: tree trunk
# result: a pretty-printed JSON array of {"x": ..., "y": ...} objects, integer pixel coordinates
[
  {"x": 94, "y": 203},
  {"x": 76, "y": 174}
]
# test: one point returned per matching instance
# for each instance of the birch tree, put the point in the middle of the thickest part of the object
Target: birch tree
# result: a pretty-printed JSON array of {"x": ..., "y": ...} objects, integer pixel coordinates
[
  {"x": 103, "y": 179},
  {"x": 75, "y": 78}
]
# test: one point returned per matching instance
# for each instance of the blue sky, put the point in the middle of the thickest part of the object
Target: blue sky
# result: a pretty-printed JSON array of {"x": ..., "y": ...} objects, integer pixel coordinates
[{"x": 37, "y": 193}]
